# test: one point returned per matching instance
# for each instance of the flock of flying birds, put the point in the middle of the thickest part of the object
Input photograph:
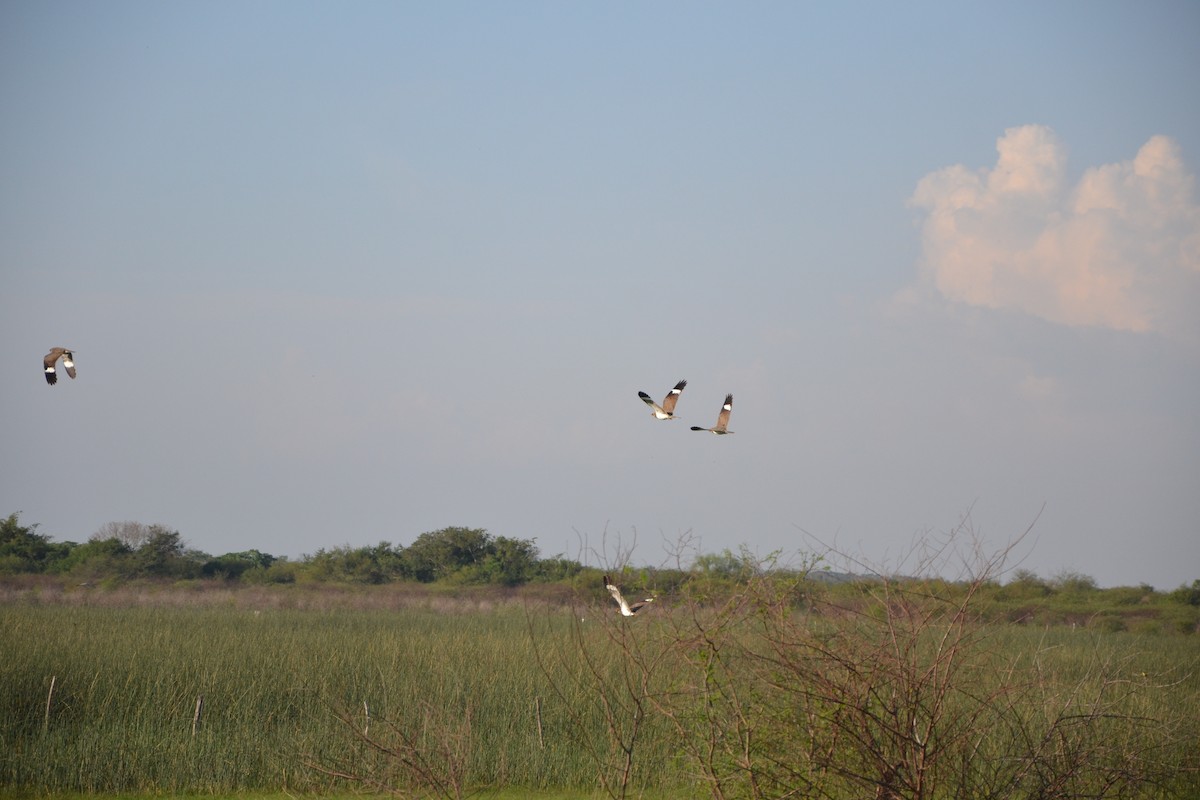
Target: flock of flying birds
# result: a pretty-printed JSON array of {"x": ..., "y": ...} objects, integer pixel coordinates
[
  {"x": 667, "y": 409},
  {"x": 664, "y": 411}
]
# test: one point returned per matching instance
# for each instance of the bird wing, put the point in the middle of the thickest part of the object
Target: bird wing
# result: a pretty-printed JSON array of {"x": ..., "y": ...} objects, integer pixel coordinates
[
  {"x": 639, "y": 605},
  {"x": 650, "y": 402},
  {"x": 673, "y": 397},
  {"x": 616, "y": 593},
  {"x": 48, "y": 365},
  {"x": 69, "y": 362},
  {"x": 723, "y": 417}
]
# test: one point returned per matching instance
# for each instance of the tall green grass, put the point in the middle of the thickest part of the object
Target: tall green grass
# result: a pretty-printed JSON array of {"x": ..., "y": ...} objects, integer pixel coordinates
[
  {"x": 127, "y": 681},
  {"x": 284, "y": 691}
]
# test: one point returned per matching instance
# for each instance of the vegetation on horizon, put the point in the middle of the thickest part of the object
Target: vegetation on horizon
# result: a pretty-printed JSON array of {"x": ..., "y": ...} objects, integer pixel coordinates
[
  {"x": 464, "y": 559},
  {"x": 749, "y": 679},
  {"x": 124, "y": 551},
  {"x": 744, "y": 681}
]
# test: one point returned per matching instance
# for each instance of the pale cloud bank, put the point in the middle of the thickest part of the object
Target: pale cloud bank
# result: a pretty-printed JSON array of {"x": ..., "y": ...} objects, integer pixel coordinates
[{"x": 1120, "y": 249}]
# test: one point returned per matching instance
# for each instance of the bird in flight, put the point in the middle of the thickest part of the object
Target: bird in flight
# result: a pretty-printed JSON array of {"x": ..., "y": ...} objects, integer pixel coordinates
[
  {"x": 68, "y": 359},
  {"x": 627, "y": 610},
  {"x": 722, "y": 418},
  {"x": 667, "y": 409}
]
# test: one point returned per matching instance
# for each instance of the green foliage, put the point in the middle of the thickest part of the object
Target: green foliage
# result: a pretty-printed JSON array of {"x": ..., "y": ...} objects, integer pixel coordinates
[
  {"x": 98, "y": 558},
  {"x": 22, "y": 549},
  {"x": 281, "y": 571},
  {"x": 164, "y": 555},
  {"x": 1188, "y": 595},
  {"x": 372, "y": 565},
  {"x": 459, "y": 556},
  {"x": 440, "y": 553},
  {"x": 512, "y": 561},
  {"x": 470, "y": 555},
  {"x": 129, "y": 551},
  {"x": 726, "y": 565},
  {"x": 232, "y": 566},
  {"x": 555, "y": 569},
  {"x": 1073, "y": 582},
  {"x": 1129, "y": 595},
  {"x": 1025, "y": 584}
]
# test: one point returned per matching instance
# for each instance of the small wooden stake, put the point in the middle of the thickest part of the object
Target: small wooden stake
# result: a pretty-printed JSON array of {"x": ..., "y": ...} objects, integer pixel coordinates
[
  {"x": 196, "y": 716},
  {"x": 49, "y": 697},
  {"x": 366, "y": 718},
  {"x": 537, "y": 704}
]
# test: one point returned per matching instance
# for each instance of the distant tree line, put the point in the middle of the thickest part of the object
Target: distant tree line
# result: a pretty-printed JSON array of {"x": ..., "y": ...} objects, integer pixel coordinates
[
  {"x": 131, "y": 550},
  {"x": 124, "y": 551}
]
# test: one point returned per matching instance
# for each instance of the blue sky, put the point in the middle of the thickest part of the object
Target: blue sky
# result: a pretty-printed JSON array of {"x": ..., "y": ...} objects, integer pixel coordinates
[{"x": 343, "y": 273}]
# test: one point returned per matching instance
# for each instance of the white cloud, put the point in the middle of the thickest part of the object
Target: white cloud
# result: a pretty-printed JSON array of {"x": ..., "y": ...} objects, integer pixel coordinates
[{"x": 1120, "y": 250}]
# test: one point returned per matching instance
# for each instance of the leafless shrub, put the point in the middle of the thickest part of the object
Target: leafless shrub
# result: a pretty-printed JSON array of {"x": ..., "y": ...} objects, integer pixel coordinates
[
  {"x": 890, "y": 688},
  {"x": 426, "y": 756},
  {"x": 609, "y": 668},
  {"x": 129, "y": 533}
]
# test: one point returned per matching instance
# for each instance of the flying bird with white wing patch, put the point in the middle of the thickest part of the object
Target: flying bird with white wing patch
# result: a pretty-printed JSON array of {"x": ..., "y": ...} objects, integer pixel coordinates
[
  {"x": 51, "y": 358},
  {"x": 667, "y": 409},
  {"x": 722, "y": 418},
  {"x": 627, "y": 609}
]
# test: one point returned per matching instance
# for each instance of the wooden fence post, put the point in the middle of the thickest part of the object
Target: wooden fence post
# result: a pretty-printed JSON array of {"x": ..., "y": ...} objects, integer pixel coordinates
[
  {"x": 196, "y": 716},
  {"x": 537, "y": 704},
  {"x": 49, "y": 697}
]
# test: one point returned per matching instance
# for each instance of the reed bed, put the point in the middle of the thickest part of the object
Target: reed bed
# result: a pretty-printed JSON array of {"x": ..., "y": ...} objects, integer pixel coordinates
[
  {"x": 237, "y": 696},
  {"x": 151, "y": 699}
]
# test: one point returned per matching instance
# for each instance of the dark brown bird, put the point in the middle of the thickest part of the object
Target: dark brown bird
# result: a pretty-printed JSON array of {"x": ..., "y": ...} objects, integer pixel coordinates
[
  {"x": 667, "y": 409},
  {"x": 68, "y": 359},
  {"x": 722, "y": 419}
]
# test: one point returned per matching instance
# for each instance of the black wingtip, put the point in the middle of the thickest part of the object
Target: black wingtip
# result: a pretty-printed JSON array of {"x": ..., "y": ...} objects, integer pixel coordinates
[
  {"x": 51, "y": 378},
  {"x": 698, "y": 428}
]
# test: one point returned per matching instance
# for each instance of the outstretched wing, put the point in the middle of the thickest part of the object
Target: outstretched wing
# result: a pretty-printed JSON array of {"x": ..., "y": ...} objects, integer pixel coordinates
[
  {"x": 639, "y": 605},
  {"x": 69, "y": 363},
  {"x": 673, "y": 397},
  {"x": 723, "y": 417},
  {"x": 48, "y": 365},
  {"x": 650, "y": 402},
  {"x": 616, "y": 593}
]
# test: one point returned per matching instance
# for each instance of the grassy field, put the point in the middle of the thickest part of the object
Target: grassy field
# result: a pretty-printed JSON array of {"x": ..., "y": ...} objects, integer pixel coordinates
[
  {"x": 282, "y": 691},
  {"x": 270, "y": 686},
  {"x": 253, "y": 693}
]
